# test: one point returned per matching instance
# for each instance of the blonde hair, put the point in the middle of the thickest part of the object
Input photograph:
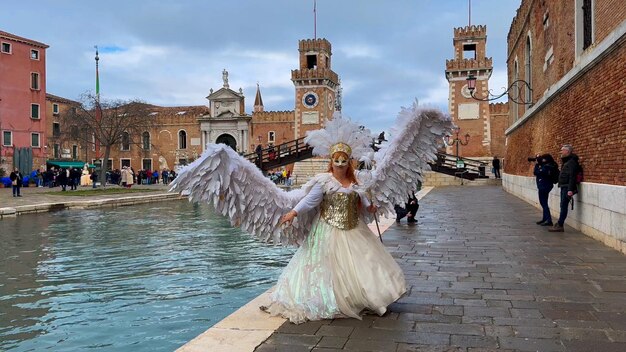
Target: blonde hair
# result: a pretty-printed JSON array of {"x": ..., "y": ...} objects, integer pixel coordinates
[{"x": 350, "y": 172}]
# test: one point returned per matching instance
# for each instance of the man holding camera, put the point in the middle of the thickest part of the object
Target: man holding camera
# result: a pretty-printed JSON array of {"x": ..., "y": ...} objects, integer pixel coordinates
[
  {"x": 546, "y": 174},
  {"x": 567, "y": 183}
]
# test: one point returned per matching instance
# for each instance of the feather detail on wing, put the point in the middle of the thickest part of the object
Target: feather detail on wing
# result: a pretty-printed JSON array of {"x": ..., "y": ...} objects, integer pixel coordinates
[
  {"x": 399, "y": 164},
  {"x": 237, "y": 189}
]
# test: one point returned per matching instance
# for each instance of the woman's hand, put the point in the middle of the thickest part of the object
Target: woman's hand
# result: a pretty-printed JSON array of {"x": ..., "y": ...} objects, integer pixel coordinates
[
  {"x": 288, "y": 218},
  {"x": 372, "y": 208}
]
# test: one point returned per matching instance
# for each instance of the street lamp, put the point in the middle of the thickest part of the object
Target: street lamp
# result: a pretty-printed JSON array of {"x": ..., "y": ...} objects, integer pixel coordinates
[
  {"x": 456, "y": 140},
  {"x": 514, "y": 92}
]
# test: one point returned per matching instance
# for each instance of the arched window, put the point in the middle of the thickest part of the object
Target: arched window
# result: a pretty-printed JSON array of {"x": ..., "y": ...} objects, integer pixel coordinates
[
  {"x": 528, "y": 74},
  {"x": 145, "y": 140},
  {"x": 182, "y": 139},
  {"x": 517, "y": 89},
  {"x": 125, "y": 141}
]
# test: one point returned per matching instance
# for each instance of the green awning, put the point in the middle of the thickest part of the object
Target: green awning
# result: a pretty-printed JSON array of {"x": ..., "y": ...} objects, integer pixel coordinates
[{"x": 68, "y": 164}]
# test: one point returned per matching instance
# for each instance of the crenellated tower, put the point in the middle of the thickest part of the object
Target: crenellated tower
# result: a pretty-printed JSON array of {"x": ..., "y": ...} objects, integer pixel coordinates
[
  {"x": 471, "y": 115},
  {"x": 315, "y": 83}
]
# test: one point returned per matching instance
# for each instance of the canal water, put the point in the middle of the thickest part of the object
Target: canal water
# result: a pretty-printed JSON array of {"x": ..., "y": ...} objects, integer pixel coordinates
[{"x": 141, "y": 278}]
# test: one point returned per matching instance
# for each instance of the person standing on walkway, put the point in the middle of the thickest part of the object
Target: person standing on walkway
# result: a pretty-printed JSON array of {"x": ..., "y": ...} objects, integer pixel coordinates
[
  {"x": 341, "y": 268},
  {"x": 546, "y": 170},
  {"x": 62, "y": 178},
  {"x": 567, "y": 183},
  {"x": 16, "y": 182},
  {"x": 495, "y": 163}
]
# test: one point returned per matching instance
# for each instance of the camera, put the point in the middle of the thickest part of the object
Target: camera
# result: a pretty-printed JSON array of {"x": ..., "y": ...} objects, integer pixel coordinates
[{"x": 532, "y": 158}]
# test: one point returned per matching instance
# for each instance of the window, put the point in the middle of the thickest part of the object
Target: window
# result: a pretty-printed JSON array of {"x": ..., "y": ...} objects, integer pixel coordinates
[
  {"x": 182, "y": 140},
  {"x": 74, "y": 132},
  {"x": 125, "y": 141},
  {"x": 34, "y": 140},
  {"x": 34, "y": 80},
  {"x": 109, "y": 163},
  {"x": 7, "y": 138},
  {"x": 56, "y": 129},
  {"x": 528, "y": 74},
  {"x": 34, "y": 54},
  {"x": 311, "y": 61},
  {"x": 124, "y": 162},
  {"x": 146, "y": 164},
  {"x": 34, "y": 111},
  {"x": 6, "y": 48},
  {"x": 515, "y": 79},
  {"x": 74, "y": 152},
  {"x": 93, "y": 142},
  {"x": 56, "y": 153},
  {"x": 587, "y": 24},
  {"x": 271, "y": 136},
  {"x": 584, "y": 24},
  {"x": 469, "y": 51},
  {"x": 55, "y": 109},
  {"x": 145, "y": 140}
]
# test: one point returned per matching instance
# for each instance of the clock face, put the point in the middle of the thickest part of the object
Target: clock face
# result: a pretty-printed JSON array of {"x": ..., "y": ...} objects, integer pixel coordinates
[
  {"x": 466, "y": 92},
  {"x": 331, "y": 102},
  {"x": 310, "y": 99}
]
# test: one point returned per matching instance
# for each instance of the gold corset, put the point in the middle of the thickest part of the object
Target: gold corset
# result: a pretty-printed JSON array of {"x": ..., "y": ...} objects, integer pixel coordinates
[{"x": 341, "y": 210}]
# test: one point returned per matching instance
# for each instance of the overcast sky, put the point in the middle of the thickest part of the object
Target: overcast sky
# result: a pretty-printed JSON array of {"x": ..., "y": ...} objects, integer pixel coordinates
[{"x": 172, "y": 53}]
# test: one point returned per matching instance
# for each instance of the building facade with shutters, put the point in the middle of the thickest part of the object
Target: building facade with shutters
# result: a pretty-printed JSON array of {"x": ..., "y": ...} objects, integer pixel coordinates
[
  {"x": 23, "y": 114},
  {"x": 572, "y": 53}
]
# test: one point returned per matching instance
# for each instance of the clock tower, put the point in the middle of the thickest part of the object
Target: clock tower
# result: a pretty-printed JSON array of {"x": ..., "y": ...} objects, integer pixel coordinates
[
  {"x": 315, "y": 84},
  {"x": 471, "y": 115}
]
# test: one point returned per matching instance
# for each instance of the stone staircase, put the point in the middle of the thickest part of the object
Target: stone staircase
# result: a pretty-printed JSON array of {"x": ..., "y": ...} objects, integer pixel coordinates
[{"x": 437, "y": 179}]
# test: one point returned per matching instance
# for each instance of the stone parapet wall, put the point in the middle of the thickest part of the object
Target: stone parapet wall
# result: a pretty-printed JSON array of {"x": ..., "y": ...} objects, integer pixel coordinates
[{"x": 599, "y": 209}]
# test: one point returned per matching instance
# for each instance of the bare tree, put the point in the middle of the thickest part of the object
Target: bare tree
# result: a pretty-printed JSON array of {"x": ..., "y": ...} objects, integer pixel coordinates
[{"x": 106, "y": 124}]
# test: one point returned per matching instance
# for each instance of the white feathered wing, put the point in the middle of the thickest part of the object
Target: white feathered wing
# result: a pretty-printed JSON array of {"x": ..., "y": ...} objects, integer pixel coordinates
[
  {"x": 237, "y": 189},
  {"x": 399, "y": 164}
]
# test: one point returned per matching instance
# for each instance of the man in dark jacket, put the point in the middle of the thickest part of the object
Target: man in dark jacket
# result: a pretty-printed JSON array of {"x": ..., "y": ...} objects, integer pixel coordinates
[
  {"x": 567, "y": 183},
  {"x": 16, "y": 182}
]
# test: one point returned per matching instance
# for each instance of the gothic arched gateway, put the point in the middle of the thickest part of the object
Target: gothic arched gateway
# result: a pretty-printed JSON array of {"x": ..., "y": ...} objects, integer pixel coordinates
[{"x": 228, "y": 140}]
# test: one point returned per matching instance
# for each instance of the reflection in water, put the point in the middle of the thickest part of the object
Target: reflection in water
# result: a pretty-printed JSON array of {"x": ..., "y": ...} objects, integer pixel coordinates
[{"x": 141, "y": 278}]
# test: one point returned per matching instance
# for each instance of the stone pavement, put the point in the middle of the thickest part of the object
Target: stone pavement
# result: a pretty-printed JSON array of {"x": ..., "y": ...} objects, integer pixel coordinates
[{"x": 482, "y": 276}]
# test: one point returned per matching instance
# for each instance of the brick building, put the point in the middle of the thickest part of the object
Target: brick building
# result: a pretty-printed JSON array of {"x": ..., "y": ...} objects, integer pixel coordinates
[
  {"x": 572, "y": 55},
  {"x": 22, "y": 102},
  {"x": 482, "y": 121}
]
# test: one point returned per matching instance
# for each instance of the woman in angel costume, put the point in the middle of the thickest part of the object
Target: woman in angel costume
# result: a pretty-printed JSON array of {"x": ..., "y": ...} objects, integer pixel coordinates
[{"x": 341, "y": 269}]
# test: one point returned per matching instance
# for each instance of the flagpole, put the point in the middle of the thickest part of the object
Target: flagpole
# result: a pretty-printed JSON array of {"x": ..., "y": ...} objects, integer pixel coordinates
[{"x": 314, "y": 19}]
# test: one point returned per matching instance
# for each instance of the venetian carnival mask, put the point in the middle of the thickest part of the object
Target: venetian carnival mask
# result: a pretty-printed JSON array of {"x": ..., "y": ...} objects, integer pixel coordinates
[{"x": 340, "y": 161}]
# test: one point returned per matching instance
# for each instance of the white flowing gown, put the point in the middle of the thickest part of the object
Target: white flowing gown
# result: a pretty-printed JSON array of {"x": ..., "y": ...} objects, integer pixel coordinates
[{"x": 339, "y": 271}]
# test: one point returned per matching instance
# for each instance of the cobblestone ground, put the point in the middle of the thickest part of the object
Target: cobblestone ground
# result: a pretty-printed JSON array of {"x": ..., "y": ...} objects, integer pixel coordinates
[{"x": 484, "y": 277}]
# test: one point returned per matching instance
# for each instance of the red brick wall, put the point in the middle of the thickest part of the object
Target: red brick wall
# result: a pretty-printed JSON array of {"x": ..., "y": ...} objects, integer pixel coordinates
[
  {"x": 590, "y": 114},
  {"x": 281, "y": 122},
  {"x": 608, "y": 15},
  {"x": 498, "y": 115}
]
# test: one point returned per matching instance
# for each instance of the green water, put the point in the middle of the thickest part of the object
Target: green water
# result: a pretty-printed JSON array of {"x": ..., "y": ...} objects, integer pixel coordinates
[{"x": 142, "y": 278}]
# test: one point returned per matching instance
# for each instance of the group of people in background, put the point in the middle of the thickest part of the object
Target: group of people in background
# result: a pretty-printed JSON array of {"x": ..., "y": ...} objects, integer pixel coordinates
[
  {"x": 547, "y": 174},
  {"x": 281, "y": 177}
]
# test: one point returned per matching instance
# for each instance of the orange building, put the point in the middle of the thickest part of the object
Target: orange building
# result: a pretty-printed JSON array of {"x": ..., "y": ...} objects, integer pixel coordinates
[{"x": 23, "y": 115}]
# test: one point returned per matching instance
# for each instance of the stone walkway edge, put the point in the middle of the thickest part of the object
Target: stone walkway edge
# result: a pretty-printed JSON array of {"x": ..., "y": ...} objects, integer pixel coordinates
[
  {"x": 86, "y": 204},
  {"x": 248, "y": 327}
]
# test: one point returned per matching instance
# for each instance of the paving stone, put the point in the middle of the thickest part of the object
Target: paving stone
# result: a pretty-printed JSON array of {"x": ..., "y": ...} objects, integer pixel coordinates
[
  {"x": 293, "y": 340},
  {"x": 268, "y": 347},
  {"x": 308, "y": 328},
  {"x": 526, "y": 313},
  {"x": 332, "y": 342},
  {"x": 371, "y": 345},
  {"x": 339, "y": 331},
  {"x": 460, "y": 329},
  {"x": 586, "y": 346},
  {"x": 473, "y": 341},
  {"x": 528, "y": 344},
  {"x": 403, "y": 347}
]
